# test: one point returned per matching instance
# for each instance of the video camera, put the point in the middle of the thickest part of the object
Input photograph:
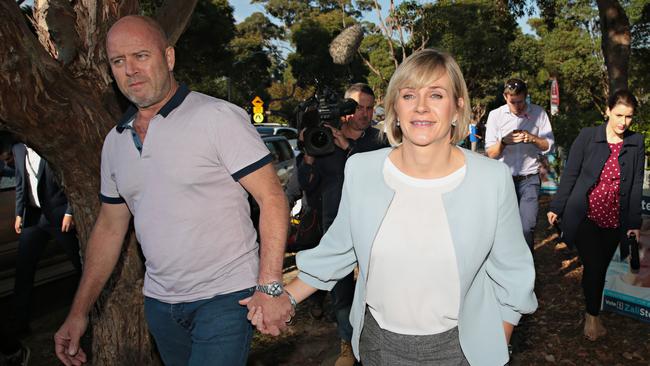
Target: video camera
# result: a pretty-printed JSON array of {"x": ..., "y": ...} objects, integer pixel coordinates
[{"x": 325, "y": 107}]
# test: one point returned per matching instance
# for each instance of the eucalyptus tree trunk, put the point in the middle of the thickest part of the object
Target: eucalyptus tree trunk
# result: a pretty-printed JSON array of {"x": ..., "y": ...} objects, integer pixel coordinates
[
  {"x": 58, "y": 97},
  {"x": 616, "y": 41}
]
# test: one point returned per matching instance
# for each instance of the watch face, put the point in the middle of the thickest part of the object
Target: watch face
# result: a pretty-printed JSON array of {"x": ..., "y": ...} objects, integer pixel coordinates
[{"x": 275, "y": 289}]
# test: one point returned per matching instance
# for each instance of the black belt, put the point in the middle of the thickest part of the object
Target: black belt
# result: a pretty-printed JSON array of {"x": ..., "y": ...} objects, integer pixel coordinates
[{"x": 519, "y": 178}]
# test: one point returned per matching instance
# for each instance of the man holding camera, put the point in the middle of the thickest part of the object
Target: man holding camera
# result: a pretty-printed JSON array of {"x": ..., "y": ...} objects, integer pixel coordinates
[
  {"x": 516, "y": 133},
  {"x": 325, "y": 174}
]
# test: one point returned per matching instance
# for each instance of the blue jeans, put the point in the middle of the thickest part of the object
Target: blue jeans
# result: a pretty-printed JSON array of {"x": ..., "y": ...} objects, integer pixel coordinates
[
  {"x": 206, "y": 332},
  {"x": 342, "y": 296},
  {"x": 527, "y": 196}
]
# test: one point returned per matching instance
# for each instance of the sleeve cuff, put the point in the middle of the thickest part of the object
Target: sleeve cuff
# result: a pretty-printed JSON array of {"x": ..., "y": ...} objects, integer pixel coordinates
[
  {"x": 314, "y": 282},
  {"x": 509, "y": 315},
  {"x": 251, "y": 168},
  {"x": 111, "y": 200}
]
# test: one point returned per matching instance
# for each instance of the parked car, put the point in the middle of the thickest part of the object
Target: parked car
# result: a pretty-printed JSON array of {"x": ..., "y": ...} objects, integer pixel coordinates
[
  {"x": 271, "y": 129},
  {"x": 284, "y": 163}
]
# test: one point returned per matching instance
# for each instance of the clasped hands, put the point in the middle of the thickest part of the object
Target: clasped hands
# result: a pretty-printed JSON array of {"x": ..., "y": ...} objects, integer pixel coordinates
[
  {"x": 518, "y": 136},
  {"x": 270, "y": 315}
]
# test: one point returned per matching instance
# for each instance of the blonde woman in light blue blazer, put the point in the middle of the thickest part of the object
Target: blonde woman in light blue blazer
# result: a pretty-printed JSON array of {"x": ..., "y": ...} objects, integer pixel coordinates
[{"x": 444, "y": 271}]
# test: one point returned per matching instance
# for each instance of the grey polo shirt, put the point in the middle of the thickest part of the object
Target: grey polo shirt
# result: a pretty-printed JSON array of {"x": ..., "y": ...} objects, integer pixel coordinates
[{"x": 191, "y": 215}]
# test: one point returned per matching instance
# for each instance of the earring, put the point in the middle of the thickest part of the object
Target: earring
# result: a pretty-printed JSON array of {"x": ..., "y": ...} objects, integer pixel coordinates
[
  {"x": 397, "y": 123},
  {"x": 453, "y": 123}
]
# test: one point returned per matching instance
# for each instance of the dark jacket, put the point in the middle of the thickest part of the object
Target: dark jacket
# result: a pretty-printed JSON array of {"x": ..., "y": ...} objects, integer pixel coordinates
[
  {"x": 588, "y": 155},
  {"x": 328, "y": 174},
  {"x": 53, "y": 201}
]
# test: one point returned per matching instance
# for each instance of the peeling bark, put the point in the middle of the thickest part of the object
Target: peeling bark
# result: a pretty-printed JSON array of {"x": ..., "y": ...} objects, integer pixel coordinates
[{"x": 58, "y": 97}]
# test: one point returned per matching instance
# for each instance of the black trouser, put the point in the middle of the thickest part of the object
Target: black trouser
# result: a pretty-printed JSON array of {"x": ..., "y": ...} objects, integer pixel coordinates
[
  {"x": 8, "y": 342},
  {"x": 596, "y": 247},
  {"x": 31, "y": 244}
]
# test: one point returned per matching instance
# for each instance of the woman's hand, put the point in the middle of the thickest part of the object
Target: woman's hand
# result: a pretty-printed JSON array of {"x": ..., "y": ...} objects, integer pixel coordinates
[
  {"x": 507, "y": 330},
  {"x": 636, "y": 233},
  {"x": 552, "y": 217}
]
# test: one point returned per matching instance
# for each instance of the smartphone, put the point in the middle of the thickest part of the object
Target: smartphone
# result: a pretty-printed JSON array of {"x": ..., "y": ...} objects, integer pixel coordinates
[{"x": 517, "y": 131}]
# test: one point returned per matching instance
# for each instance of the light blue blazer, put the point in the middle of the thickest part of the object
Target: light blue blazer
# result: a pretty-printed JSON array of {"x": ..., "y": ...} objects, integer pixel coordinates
[{"x": 495, "y": 266}]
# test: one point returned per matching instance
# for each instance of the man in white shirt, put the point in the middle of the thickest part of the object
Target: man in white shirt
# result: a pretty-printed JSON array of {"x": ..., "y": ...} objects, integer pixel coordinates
[{"x": 517, "y": 133}]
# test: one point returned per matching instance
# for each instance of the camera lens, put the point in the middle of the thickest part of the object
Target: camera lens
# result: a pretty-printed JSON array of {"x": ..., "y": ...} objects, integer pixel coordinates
[{"x": 319, "y": 138}]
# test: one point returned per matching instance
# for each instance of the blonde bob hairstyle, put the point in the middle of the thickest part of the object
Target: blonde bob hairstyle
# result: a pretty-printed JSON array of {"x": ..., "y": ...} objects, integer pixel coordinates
[{"x": 419, "y": 70}]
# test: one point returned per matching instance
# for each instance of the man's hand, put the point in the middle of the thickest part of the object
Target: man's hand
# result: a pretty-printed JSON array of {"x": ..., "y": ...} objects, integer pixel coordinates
[
  {"x": 18, "y": 225},
  {"x": 67, "y": 223},
  {"x": 269, "y": 314},
  {"x": 339, "y": 139},
  {"x": 513, "y": 138},
  {"x": 66, "y": 341},
  {"x": 529, "y": 138},
  {"x": 552, "y": 217}
]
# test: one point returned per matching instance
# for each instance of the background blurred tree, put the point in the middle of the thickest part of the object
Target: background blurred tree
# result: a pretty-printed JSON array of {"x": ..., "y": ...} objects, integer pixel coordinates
[
  {"x": 571, "y": 52},
  {"x": 203, "y": 55},
  {"x": 478, "y": 33},
  {"x": 310, "y": 26},
  {"x": 257, "y": 60},
  {"x": 639, "y": 14},
  {"x": 58, "y": 97}
]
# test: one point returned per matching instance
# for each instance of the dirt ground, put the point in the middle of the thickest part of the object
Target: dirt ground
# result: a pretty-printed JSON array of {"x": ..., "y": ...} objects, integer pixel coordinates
[{"x": 553, "y": 335}]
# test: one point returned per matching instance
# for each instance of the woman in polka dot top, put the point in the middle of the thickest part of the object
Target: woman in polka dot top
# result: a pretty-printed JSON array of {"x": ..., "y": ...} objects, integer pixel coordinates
[{"x": 599, "y": 198}]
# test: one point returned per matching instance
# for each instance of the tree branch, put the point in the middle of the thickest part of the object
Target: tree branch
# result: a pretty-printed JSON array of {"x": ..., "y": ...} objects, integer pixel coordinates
[
  {"x": 372, "y": 68},
  {"x": 388, "y": 35}
]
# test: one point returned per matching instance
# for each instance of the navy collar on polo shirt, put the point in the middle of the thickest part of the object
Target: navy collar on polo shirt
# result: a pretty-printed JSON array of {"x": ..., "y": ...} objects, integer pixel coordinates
[{"x": 171, "y": 104}]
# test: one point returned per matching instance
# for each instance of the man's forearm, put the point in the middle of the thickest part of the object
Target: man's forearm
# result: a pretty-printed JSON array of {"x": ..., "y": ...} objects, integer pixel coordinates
[
  {"x": 102, "y": 253},
  {"x": 541, "y": 143},
  {"x": 274, "y": 221},
  {"x": 494, "y": 151}
]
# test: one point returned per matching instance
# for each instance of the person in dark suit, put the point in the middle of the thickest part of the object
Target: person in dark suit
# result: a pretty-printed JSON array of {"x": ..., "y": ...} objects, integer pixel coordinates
[
  {"x": 42, "y": 213},
  {"x": 599, "y": 198}
]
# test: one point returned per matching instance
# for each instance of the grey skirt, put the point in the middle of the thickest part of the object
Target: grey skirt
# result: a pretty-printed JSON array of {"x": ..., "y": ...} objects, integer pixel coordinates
[{"x": 379, "y": 347}]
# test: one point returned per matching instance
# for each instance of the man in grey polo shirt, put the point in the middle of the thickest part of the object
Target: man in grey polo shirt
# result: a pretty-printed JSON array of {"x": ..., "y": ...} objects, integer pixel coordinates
[
  {"x": 181, "y": 163},
  {"x": 516, "y": 133}
]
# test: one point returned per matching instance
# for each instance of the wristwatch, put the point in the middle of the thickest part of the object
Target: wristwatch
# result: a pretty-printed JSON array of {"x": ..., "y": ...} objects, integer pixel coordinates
[{"x": 274, "y": 288}]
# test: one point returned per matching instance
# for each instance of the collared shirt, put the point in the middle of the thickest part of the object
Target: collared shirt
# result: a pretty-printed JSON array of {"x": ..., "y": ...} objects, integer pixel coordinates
[
  {"x": 32, "y": 163},
  {"x": 522, "y": 158},
  {"x": 191, "y": 216}
]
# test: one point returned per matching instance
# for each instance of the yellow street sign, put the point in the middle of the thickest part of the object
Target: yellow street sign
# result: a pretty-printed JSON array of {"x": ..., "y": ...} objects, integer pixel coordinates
[
  {"x": 257, "y": 101},
  {"x": 258, "y": 118}
]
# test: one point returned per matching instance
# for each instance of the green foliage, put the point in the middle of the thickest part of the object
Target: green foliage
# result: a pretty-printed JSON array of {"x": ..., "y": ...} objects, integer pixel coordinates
[
  {"x": 202, "y": 54},
  {"x": 568, "y": 48},
  {"x": 639, "y": 14},
  {"x": 375, "y": 49},
  {"x": 478, "y": 34},
  {"x": 253, "y": 49}
]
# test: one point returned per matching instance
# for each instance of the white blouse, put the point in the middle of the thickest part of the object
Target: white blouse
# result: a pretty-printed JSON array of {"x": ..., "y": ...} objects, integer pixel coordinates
[{"x": 413, "y": 283}]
